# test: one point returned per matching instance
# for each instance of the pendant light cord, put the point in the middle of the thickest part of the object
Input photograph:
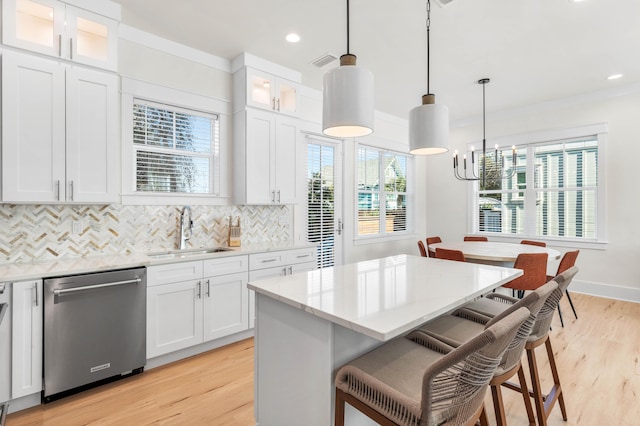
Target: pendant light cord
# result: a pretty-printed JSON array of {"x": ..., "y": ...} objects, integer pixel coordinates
[
  {"x": 348, "y": 53},
  {"x": 428, "y": 28}
]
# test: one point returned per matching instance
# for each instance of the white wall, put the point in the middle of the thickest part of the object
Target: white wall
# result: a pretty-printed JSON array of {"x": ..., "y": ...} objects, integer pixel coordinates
[{"x": 613, "y": 271}]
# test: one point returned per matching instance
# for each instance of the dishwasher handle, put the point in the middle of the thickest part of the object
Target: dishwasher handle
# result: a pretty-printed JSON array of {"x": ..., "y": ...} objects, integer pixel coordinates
[{"x": 58, "y": 292}]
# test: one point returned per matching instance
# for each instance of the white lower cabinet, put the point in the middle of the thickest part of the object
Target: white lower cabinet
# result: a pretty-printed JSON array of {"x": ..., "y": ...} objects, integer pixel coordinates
[
  {"x": 194, "y": 302},
  {"x": 5, "y": 344},
  {"x": 174, "y": 317},
  {"x": 226, "y": 305},
  {"x": 27, "y": 337}
]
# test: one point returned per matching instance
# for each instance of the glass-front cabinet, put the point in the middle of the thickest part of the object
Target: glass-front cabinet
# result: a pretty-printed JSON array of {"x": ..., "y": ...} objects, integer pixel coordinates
[
  {"x": 270, "y": 92},
  {"x": 57, "y": 29}
]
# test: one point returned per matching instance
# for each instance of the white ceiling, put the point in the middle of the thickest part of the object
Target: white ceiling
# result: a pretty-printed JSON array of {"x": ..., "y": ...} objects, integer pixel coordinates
[{"x": 533, "y": 50}]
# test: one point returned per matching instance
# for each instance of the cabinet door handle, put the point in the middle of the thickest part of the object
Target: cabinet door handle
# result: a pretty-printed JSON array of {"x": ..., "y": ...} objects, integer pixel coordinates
[
  {"x": 268, "y": 260},
  {"x": 284, "y": 271},
  {"x": 273, "y": 102},
  {"x": 290, "y": 270},
  {"x": 199, "y": 294},
  {"x": 278, "y": 104},
  {"x": 70, "y": 48},
  {"x": 208, "y": 288},
  {"x": 59, "y": 44},
  {"x": 58, "y": 190},
  {"x": 273, "y": 196},
  {"x": 71, "y": 191},
  {"x": 35, "y": 288},
  {"x": 301, "y": 256},
  {"x": 278, "y": 195}
]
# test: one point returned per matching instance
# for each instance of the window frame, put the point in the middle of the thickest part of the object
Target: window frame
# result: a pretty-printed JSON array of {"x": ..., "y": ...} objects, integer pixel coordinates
[
  {"x": 409, "y": 197},
  {"x": 528, "y": 141},
  {"x": 175, "y": 99}
]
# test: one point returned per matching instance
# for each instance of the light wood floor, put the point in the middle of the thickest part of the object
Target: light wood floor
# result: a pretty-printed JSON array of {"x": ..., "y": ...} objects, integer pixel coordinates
[{"x": 597, "y": 355}]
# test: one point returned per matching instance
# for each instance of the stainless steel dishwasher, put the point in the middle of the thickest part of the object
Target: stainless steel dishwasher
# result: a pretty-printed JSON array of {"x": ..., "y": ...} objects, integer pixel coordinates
[{"x": 94, "y": 329}]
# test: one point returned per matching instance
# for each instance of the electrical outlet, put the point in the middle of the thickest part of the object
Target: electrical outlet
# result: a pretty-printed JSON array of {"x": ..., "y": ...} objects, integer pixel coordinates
[{"x": 76, "y": 227}]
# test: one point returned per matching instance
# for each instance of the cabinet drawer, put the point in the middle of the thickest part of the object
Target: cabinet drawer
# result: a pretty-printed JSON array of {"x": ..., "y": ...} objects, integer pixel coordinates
[
  {"x": 301, "y": 255},
  {"x": 267, "y": 260},
  {"x": 225, "y": 265},
  {"x": 173, "y": 273},
  {"x": 260, "y": 274}
]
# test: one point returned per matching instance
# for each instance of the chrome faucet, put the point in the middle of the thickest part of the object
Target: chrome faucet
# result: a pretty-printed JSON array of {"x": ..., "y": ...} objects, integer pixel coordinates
[{"x": 186, "y": 227}]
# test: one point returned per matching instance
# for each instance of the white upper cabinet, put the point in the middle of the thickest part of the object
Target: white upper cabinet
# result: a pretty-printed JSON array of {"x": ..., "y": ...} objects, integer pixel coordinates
[
  {"x": 267, "y": 91},
  {"x": 266, "y": 163},
  {"x": 54, "y": 28},
  {"x": 270, "y": 92},
  {"x": 59, "y": 132}
]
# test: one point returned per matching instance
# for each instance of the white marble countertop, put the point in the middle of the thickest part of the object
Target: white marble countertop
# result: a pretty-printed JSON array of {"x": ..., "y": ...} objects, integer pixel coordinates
[
  {"x": 384, "y": 298},
  {"x": 80, "y": 265}
]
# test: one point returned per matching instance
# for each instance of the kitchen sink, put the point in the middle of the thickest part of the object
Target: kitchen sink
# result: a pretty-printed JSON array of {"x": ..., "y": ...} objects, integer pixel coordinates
[{"x": 176, "y": 254}]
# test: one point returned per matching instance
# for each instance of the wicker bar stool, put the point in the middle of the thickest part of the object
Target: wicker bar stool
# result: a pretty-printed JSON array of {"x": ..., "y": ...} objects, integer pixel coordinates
[
  {"x": 407, "y": 383},
  {"x": 462, "y": 325},
  {"x": 539, "y": 336}
]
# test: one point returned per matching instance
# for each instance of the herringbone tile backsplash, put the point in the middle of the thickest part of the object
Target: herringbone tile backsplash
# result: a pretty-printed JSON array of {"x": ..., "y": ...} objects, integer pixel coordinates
[{"x": 30, "y": 233}]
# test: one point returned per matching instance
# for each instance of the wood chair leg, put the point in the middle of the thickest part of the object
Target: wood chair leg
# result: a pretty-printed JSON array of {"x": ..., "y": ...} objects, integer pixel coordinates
[
  {"x": 498, "y": 405},
  {"x": 537, "y": 390},
  {"x": 339, "y": 409},
  {"x": 524, "y": 390},
  {"x": 484, "y": 420},
  {"x": 571, "y": 303},
  {"x": 556, "y": 391}
]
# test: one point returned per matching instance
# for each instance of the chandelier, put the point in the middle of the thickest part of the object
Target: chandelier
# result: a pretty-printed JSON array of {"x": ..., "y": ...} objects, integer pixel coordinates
[{"x": 490, "y": 168}]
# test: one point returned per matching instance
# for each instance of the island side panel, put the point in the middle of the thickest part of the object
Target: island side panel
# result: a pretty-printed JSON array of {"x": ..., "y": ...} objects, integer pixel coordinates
[{"x": 293, "y": 366}]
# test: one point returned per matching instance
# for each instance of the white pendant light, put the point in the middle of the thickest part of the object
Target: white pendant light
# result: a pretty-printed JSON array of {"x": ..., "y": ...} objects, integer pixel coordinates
[
  {"x": 429, "y": 122},
  {"x": 347, "y": 98}
]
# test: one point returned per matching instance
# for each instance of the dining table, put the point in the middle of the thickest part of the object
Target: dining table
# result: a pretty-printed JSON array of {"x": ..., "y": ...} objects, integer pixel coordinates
[
  {"x": 493, "y": 253},
  {"x": 310, "y": 323}
]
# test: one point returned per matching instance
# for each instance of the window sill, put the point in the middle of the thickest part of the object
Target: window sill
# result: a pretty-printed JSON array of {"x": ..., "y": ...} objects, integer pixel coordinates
[
  {"x": 551, "y": 242},
  {"x": 140, "y": 199}
]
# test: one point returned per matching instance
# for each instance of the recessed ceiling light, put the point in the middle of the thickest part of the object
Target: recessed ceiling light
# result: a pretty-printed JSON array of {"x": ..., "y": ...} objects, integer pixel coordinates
[
  {"x": 292, "y": 38},
  {"x": 614, "y": 76}
]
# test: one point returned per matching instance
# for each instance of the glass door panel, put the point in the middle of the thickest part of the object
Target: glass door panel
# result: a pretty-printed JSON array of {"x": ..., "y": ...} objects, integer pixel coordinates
[
  {"x": 324, "y": 200},
  {"x": 92, "y": 39},
  {"x": 287, "y": 98},
  {"x": 260, "y": 91}
]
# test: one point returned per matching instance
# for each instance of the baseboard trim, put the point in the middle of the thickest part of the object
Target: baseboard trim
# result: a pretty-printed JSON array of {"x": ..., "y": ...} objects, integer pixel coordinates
[
  {"x": 198, "y": 349},
  {"x": 608, "y": 291}
]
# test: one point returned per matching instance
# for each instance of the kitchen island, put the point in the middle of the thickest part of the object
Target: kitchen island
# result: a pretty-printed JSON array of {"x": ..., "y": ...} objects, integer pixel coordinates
[{"x": 309, "y": 324}]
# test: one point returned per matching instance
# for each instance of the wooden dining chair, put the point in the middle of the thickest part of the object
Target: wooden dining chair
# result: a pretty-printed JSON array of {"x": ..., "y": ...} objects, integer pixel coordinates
[
  {"x": 422, "y": 248},
  {"x": 534, "y": 266},
  {"x": 534, "y": 243},
  {"x": 442, "y": 253},
  {"x": 475, "y": 238},
  {"x": 432, "y": 240},
  {"x": 464, "y": 324},
  {"x": 568, "y": 260},
  {"x": 406, "y": 382}
]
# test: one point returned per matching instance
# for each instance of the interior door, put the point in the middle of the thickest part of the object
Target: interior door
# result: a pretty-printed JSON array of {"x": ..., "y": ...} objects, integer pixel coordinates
[{"x": 324, "y": 198}]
